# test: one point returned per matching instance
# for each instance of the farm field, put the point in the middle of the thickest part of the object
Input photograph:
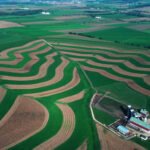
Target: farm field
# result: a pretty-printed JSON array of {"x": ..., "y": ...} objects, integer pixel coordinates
[
  {"x": 39, "y": 79},
  {"x": 52, "y": 65}
]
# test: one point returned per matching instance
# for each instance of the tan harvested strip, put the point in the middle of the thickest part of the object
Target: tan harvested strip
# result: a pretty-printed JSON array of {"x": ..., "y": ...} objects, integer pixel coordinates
[
  {"x": 2, "y": 93},
  {"x": 116, "y": 69},
  {"x": 12, "y": 62},
  {"x": 73, "y": 98},
  {"x": 147, "y": 53},
  {"x": 42, "y": 71},
  {"x": 26, "y": 119},
  {"x": 83, "y": 146},
  {"x": 77, "y": 59},
  {"x": 74, "y": 82},
  {"x": 27, "y": 66},
  {"x": 132, "y": 66},
  {"x": 34, "y": 54},
  {"x": 76, "y": 54},
  {"x": 125, "y": 62},
  {"x": 133, "y": 56},
  {"x": 108, "y": 60},
  {"x": 59, "y": 74},
  {"x": 25, "y": 69},
  {"x": 130, "y": 83},
  {"x": 110, "y": 141},
  {"x": 147, "y": 79},
  {"x": 65, "y": 131},
  {"x": 4, "y": 54}
]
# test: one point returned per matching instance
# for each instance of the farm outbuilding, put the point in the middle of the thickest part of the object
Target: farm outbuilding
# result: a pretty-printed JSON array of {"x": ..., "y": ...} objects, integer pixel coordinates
[
  {"x": 135, "y": 122},
  {"x": 123, "y": 130}
]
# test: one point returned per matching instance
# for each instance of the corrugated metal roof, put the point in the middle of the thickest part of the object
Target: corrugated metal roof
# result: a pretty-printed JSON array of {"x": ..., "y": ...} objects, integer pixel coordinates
[
  {"x": 123, "y": 129},
  {"x": 140, "y": 122}
]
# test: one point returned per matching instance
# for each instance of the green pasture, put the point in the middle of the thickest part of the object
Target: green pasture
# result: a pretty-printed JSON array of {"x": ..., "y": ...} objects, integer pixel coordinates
[
  {"x": 123, "y": 35},
  {"x": 103, "y": 117}
]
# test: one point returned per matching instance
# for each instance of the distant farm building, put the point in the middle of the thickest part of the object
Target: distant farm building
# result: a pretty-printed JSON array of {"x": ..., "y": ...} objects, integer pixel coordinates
[{"x": 45, "y": 13}]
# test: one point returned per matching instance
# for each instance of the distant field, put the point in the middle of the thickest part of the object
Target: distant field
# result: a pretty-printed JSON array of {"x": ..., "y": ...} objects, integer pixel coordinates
[{"x": 123, "y": 35}]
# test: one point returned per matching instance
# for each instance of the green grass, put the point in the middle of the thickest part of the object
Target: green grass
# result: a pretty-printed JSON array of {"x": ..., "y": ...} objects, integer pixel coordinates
[
  {"x": 123, "y": 35},
  {"x": 53, "y": 125},
  {"x": 103, "y": 117},
  {"x": 145, "y": 144}
]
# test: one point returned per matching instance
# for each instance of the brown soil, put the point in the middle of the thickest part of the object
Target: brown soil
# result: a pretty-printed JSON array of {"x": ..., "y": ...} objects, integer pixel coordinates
[
  {"x": 41, "y": 74},
  {"x": 65, "y": 131},
  {"x": 77, "y": 54},
  {"x": 132, "y": 66},
  {"x": 116, "y": 69},
  {"x": 28, "y": 65},
  {"x": 133, "y": 56},
  {"x": 4, "y": 54},
  {"x": 12, "y": 62},
  {"x": 106, "y": 48},
  {"x": 28, "y": 118},
  {"x": 126, "y": 63},
  {"x": 77, "y": 59},
  {"x": 6, "y": 24},
  {"x": 140, "y": 27},
  {"x": 147, "y": 79},
  {"x": 59, "y": 74},
  {"x": 74, "y": 82},
  {"x": 70, "y": 17},
  {"x": 130, "y": 83},
  {"x": 73, "y": 98},
  {"x": 2, "y": 93},
  {"x": 83, "y": 146},
  {"x": 32, "y": 49},
  {"x": 41, "y": 22},
  {"x": 110, "y": 141}
]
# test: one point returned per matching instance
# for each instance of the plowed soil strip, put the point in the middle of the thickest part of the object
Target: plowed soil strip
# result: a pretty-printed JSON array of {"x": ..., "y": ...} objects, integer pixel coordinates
[
  {"x": 110, "y": 141},
  {"x": 73, "y": 98},
  {"x": 59, "y": 74},
  {"x": 65, "y": 131},
  {"x": 123, "y": 56},
  {"x": 4, "y": 54},
  {"x": 42, "y": 71},
  {"x": 8, "y": 24},
  {"x": 28, "y": 65},
  {"x": 74, "y": 82},
  {"x": 28, "y": 118},
  {"x": 116, "y": 69},
  {"x": 77, "y": 54},
  {"x": 130, "y": 83},
  {"x": 12, "y": 62},
  {"x": 107, "y": 48},
  {"x": 83, "y": 146},
  {"x": 147, "y": 79},
  {"x": 30, "y": 49},
  {"x": 76, "y": 59},
  {"x": 125, "y": 62},
  {"x": 2, "y": 93},
  {"x": 33, "y": 55}
]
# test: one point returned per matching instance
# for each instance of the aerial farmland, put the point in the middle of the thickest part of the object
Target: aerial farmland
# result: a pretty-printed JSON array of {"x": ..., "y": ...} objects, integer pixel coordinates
[{"x": 73, "y": 73}]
